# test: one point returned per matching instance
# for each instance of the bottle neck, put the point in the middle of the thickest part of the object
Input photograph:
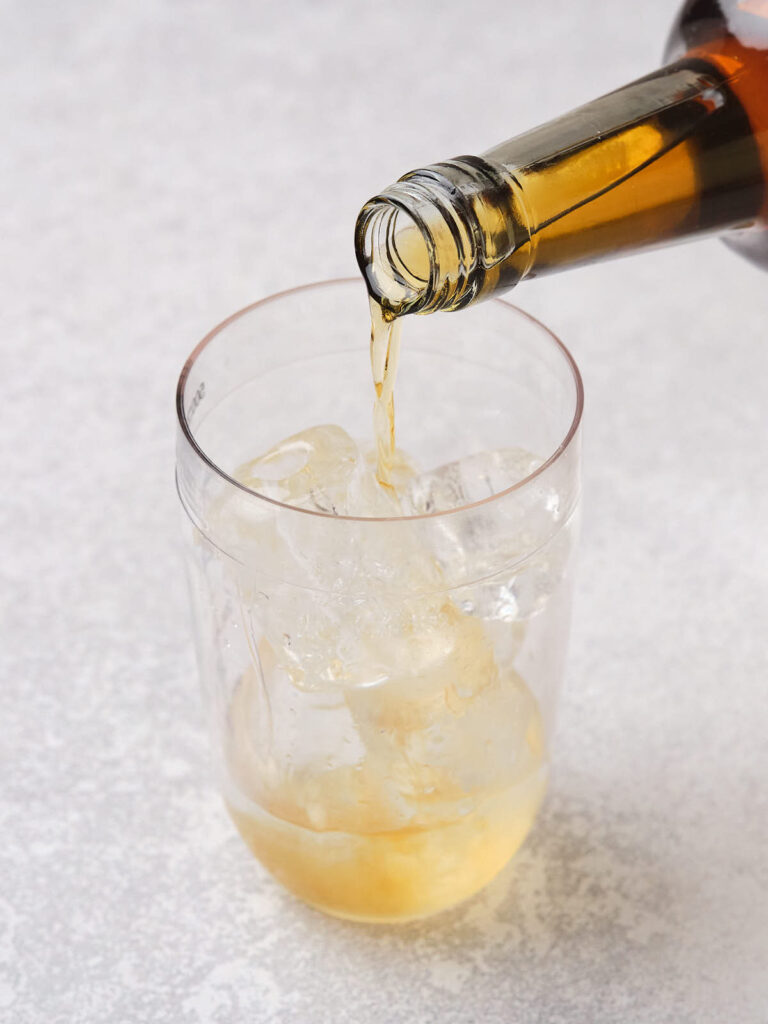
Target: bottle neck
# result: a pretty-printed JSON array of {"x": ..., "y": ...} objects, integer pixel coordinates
[{"x": 663, "y": 158}]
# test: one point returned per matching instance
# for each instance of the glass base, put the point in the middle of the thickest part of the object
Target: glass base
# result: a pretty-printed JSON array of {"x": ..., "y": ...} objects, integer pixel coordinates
[{"x": 395, "y": 876}]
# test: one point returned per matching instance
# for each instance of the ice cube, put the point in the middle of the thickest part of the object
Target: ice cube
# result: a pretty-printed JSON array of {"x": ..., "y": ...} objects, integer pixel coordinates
[
  {"x": 316, "y": 469},
  {"x": 444, "y": 704},
  {"x": 469, "y": 480},
  {"x": 515, "y": 548}
]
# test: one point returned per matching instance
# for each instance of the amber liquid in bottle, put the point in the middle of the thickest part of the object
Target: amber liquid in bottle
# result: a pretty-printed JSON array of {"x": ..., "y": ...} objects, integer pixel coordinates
[{"x": 679, "y": 153}]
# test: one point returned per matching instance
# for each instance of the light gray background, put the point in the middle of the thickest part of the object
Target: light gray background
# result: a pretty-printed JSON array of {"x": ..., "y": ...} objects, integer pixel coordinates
[{"x": 166, "y": 163}]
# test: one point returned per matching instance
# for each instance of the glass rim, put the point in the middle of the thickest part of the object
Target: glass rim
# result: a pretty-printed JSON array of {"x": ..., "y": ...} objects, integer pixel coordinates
[{"x": 188, "y": 434}]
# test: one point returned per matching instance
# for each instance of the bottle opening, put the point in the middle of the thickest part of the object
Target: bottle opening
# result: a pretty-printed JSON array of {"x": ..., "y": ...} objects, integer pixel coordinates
[
  {"x": 426, "y": 242},
  {"x": 394, "y": 255}
]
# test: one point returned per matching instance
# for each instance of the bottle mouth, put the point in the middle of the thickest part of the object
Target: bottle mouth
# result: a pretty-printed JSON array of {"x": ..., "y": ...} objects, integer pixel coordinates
[
  {"x": 395, "y": 253},
  {"x": 418, "y": 242},
  {"x": 429, "y": 241}
]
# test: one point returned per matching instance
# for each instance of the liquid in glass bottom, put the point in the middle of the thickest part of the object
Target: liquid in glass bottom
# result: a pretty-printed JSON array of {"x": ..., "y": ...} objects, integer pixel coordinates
[
  {"x": 345, "y": 841},
  {"x": 392, "y": 876}
]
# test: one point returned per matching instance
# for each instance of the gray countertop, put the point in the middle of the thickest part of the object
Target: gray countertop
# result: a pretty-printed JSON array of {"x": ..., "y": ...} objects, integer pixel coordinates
[{"x": 164, "y": 164}]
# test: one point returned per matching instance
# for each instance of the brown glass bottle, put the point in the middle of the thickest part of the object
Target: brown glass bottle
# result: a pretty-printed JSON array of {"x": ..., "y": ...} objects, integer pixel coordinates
[{"x": 678, "y": 153}]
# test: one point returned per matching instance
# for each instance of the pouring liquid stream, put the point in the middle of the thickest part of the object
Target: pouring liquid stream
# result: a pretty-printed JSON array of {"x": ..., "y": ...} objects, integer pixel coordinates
[{"x": 385, "y": 354}]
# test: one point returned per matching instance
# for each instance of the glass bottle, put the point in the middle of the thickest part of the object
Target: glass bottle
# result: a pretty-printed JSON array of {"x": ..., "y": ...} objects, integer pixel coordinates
[{"x": 676, "y": 154}]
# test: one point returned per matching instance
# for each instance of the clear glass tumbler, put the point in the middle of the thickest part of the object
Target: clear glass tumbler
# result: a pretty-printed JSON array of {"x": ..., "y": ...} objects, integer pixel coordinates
[{"x": 381, "y": 690}]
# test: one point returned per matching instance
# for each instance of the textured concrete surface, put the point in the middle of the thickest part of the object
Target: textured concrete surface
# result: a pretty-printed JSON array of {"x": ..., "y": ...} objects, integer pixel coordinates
[{"x": 164, "y": 164}]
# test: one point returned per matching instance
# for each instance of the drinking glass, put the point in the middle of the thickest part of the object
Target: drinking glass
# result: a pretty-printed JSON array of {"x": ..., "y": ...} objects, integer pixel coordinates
[{"x": 380, "y": 688}]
